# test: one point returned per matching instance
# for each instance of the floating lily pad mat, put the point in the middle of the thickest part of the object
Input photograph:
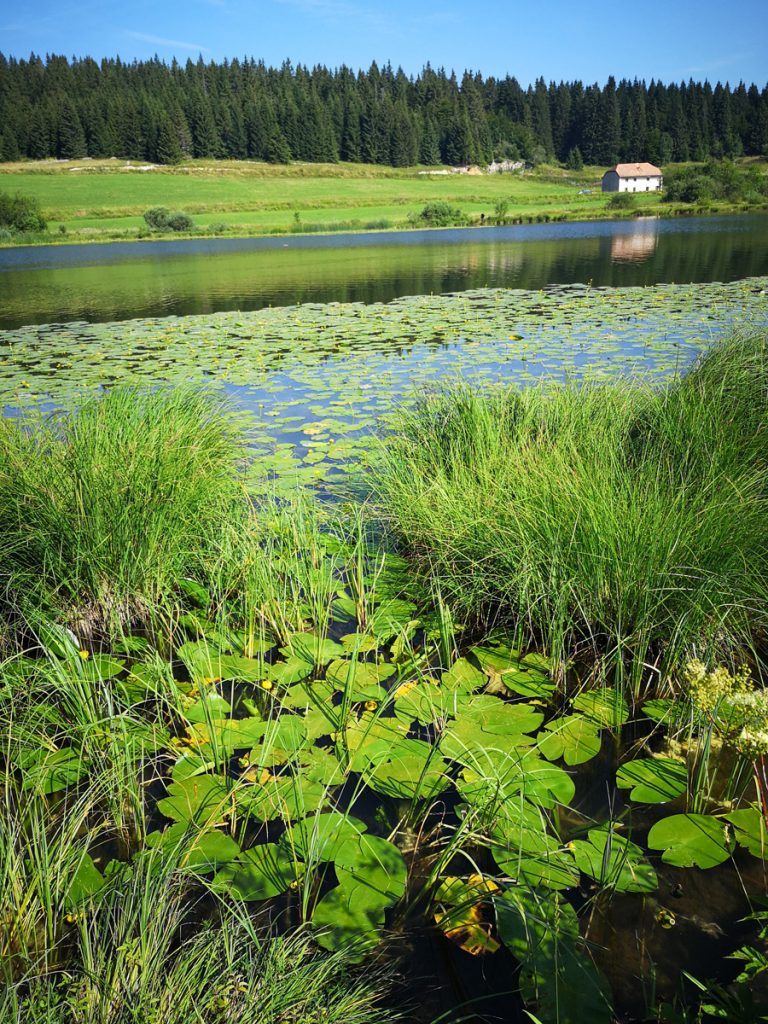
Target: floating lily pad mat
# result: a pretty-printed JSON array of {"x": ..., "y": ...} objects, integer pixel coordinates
[{"x": 315, "y": 379}]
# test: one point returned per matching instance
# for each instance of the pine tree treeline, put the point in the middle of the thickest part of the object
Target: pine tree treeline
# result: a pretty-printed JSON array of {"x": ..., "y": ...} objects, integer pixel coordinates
[{"x": 150, "y": 110}]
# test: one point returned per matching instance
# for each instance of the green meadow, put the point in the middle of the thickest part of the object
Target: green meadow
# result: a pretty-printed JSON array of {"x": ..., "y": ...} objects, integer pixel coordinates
[{"x": 108, "y": 197}]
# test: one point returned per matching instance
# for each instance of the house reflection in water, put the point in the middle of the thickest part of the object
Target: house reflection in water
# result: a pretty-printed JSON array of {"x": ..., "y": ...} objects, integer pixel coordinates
[{"x": 637, "y": 243}]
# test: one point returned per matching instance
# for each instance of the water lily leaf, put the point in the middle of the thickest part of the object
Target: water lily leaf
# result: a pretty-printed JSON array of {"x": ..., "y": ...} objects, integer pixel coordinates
[
  {"x": 86, "y": 881},
  {"x": 200, "y": 850},
  {"x": 197, "y": 593},
  {"x": 191, "y": 763},
  {"x": 373, "y": 864},
  {"x": 205, "y": 662},
  {"x": 320, "y": 837},
  {"x": 282, "y": 738},
  {"x": 661, "y": 710},
  {"x": 423, "y": 702},
  {"x": 496, "y": 776},
  {"x": 286, "y": 797},
  {"x": 360, "y": 680},
  {"x": 313, "y": 648},
  {"x": 496, "y": 658},
  {"x": 367, "y": 731},
  {"x": 573, "y": 737},
  {"x": 258, "y": 874},
  {"x": 540, "y": 929},
  {"x": 100, "y": 667},
  {"x": 407, "y": 770},
  {"x": 212, "y": 706},
  {"x": 349, "y": 918},
  {"x": 606, "y": 706},
  {"x": 290, "y": 671},
  {"x": 390, "y": 618},
  {"x": 50, "y": 771},
  {"x": 203, "y": 799},
  {"x": 463, "y": 677},
  {"x": 614, "y": 861},
  {"x": 653, "y": 780},
  {"x": 690, "y": 840},
  {"x": 750, "y": 830}
]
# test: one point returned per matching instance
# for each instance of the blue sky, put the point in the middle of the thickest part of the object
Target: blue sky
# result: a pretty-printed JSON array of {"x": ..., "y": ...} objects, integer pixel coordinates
[{"x": 674, "y": 40}]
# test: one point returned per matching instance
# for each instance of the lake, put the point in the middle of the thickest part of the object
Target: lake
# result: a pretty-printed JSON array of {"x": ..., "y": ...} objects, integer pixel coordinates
[{"x": 121, "y": 281}]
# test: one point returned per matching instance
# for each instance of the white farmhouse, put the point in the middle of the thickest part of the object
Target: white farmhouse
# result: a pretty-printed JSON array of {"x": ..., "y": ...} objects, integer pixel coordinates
[{"x": 632, "y": 178}]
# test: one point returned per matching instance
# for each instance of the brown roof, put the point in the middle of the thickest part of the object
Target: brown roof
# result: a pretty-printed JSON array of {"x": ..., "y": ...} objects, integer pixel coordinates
[{"x": 635, "y": 170}]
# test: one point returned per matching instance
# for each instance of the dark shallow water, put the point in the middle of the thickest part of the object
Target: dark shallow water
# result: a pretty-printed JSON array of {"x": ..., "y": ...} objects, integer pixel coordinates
[{"x": 126, "y": 280}]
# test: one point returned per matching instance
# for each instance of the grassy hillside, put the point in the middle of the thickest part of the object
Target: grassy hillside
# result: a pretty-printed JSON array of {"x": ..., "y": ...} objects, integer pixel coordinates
[{"x": 110, "y": 196}]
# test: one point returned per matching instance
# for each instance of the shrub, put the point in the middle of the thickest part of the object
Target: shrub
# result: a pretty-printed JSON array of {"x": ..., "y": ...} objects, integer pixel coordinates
[
  {"x": 157, "y": 217},
  {"x": 617, "y": 524},
  {"x": 21, "y": 213},
  {"x": 439, "y": 215},
  {"x": 621, "y": 201},
  {"x": 178, "y": 221},
  {"x": 162, "y": 219}
]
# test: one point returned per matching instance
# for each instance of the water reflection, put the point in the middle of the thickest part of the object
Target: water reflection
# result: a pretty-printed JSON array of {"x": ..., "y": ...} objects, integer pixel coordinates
[
  {"x": 124, "y": 281},
  {"x": 638, "y": 243}
]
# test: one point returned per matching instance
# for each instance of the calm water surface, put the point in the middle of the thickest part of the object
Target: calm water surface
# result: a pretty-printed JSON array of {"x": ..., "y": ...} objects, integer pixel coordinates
[{"x": 125, "y": 280}]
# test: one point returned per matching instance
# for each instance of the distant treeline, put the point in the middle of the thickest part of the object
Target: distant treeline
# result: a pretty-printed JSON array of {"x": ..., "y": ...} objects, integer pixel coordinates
[{"x": 150, "y": 110}]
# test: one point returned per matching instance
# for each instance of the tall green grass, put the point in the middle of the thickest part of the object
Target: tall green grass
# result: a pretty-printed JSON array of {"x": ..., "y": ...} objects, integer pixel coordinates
[
  {"x": 614, "y": 525},
  {"x": 102, "y": 511}
]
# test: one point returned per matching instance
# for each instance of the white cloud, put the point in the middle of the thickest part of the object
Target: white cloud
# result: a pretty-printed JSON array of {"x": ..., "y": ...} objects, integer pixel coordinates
[{"x": 176, "y": 44}]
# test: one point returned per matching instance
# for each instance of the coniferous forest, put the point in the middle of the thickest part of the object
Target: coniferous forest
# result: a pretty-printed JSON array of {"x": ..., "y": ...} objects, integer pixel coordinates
[{"x": 242, "y": 109}]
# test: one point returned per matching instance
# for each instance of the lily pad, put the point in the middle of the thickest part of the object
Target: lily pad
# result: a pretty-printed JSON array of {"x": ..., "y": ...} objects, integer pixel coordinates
[
  {"x": 690, "y": 840},
  {"x": 605, "y": 706},
  {"x": 614, "y": 861},
  {"x": 653, "y": 780},
  {"x": 575, "y": 738},
  {"x": 258, "y": 874}
]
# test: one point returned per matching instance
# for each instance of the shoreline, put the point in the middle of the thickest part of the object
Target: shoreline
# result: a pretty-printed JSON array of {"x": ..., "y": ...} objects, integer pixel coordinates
[{"x": 326, "y": 230}]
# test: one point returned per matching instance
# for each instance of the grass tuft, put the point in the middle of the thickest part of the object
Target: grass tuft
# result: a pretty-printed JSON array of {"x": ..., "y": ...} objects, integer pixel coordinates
[
  {"x": 619, "y": 525},
  {"x": 102, "y": 511}
]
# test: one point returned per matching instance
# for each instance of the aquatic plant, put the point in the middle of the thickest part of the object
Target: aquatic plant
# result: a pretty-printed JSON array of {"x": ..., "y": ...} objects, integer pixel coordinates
[
  {"x": 103, "y": 511},
  {"x": 618, "y": 527}
]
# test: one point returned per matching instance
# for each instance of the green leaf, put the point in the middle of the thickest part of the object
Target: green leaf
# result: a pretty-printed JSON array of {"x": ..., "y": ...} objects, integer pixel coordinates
[
  {"x": 348, "y": 918},
  {"x": 199, "y": 850},
  {"x": 50, "y": 771},
  {"x": 287, "y": 673},
  {"x": 284, "y": 797},
  {"x": 423, "y": 702},
  {"x": 574, "y": 738},
  {"x": 606, "y": 706},
  {"x": 320, "y": 837},
  {"x": 373, "y": 864},
  {"x": 407, "y": 770},
  {"x": 540, "y": 929},
  {"x": 203, "y": 799},
  {"x": 390, "y": 618},
  {"x": 463, "y": 677},
  {"x": 211, "y": 707},
  {"x": 360, "y": 680},
  {"x": 653, "y": 780},
  {"x": 614, "y": 861},
  {"x": 195, "y": 592},
  {"x": 258, "y": 874},
  {"x": 86, "y": 881},
  {"x": 206, "y": 662},
  {"x": 750, "y": 830},
  {"x": 313, "y": 648},
  {"x": 690, "y": 840}
]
